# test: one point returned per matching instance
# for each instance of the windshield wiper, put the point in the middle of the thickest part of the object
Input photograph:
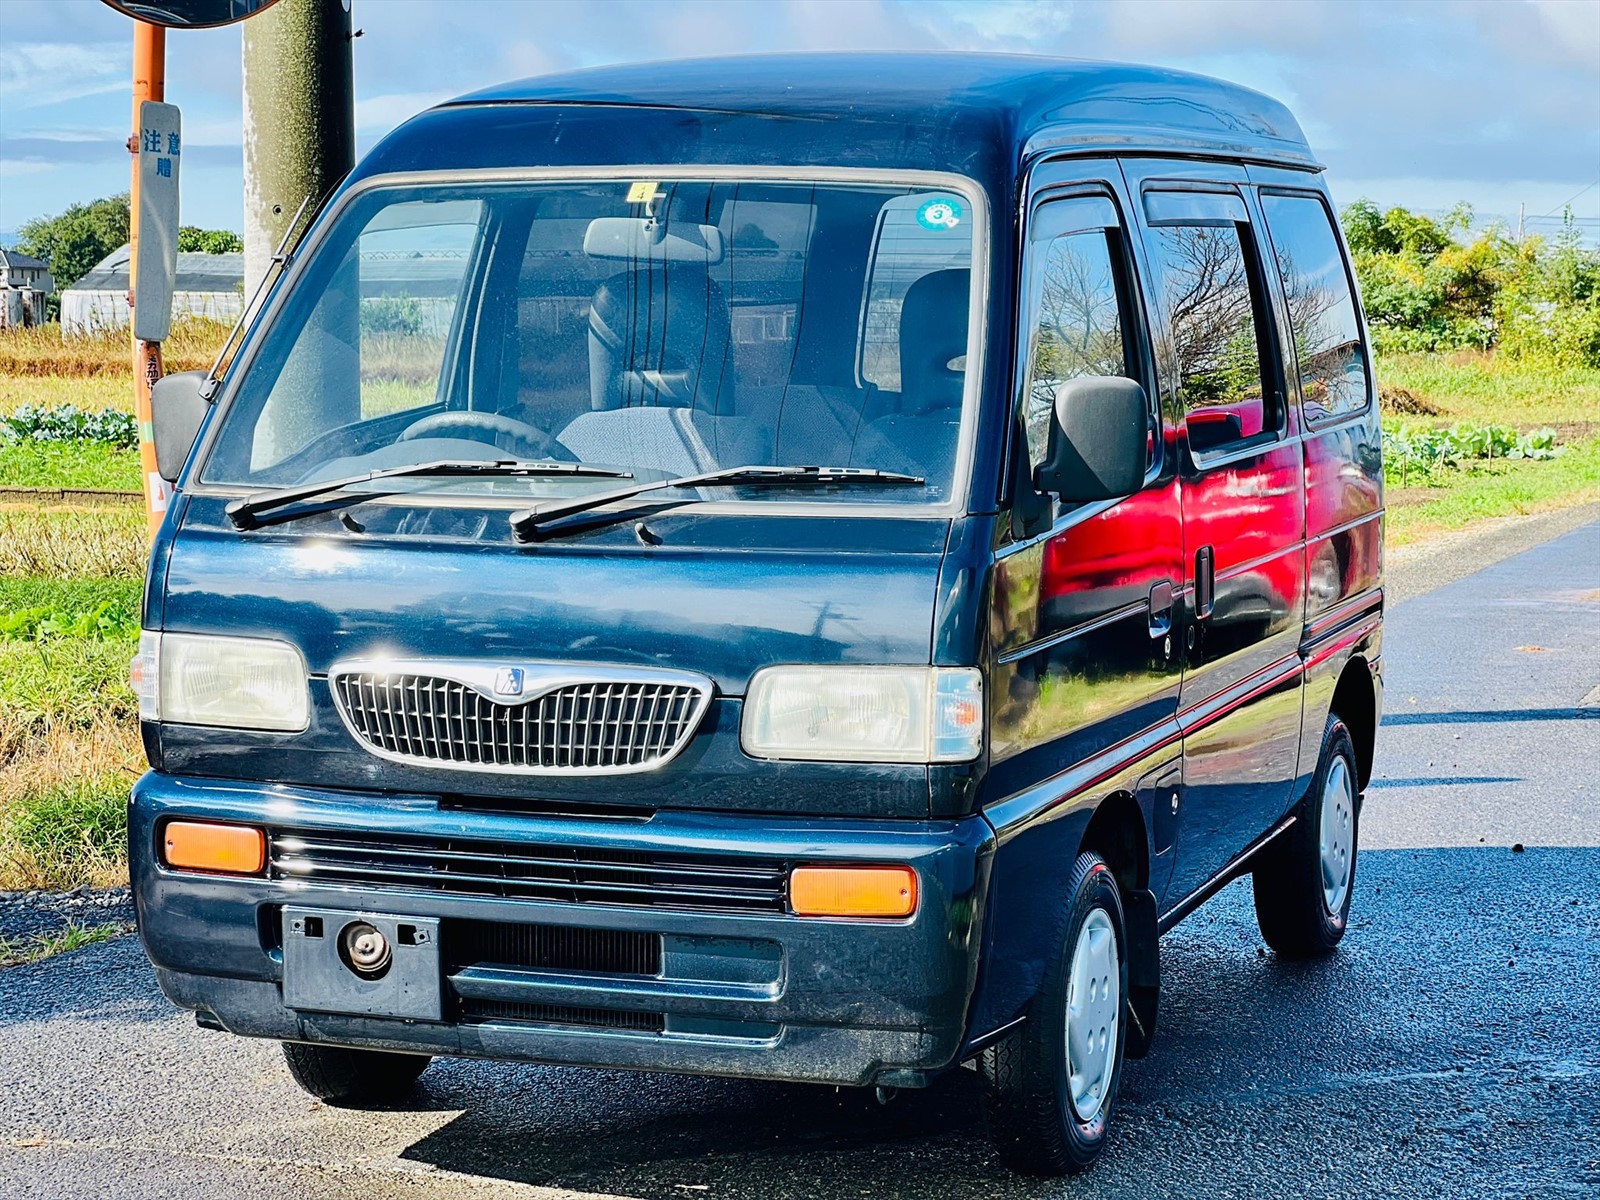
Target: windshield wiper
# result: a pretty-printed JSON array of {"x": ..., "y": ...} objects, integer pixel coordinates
[
  {"x": 527, "y": 524},
  {"x": 246, "y": 513}
]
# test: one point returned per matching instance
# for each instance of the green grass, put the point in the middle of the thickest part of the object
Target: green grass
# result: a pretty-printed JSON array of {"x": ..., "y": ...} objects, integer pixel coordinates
[
  {"x": 1502, "y": 489},
  {"x": 68, "y": 465},
  {"x": 63, "y": 681},
  {"x": 62, "y": 836},
  {"x": 1486, "y": 389},
  {"x": 73, "y": 937}
]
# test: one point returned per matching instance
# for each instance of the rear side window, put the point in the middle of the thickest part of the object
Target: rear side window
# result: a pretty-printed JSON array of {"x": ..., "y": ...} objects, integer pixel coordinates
[
  {"x": 1215, "y": 309},
  {"x": 1322, "y": 308}
]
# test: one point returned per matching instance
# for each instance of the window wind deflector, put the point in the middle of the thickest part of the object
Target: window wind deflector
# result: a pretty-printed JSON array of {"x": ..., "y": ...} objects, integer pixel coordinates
[
  {"x": 1195, "y": 208},
  {"x": 247, "y": 513},
  {"x": 527, "y": 524}
]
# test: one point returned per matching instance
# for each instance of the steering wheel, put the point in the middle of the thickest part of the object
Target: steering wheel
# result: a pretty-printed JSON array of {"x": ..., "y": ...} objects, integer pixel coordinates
[{"x": 506, "y": 433}]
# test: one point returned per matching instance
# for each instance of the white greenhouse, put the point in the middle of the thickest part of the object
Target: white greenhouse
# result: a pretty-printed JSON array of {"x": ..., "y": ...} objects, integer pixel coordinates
[{"x": 208, "y": 285}]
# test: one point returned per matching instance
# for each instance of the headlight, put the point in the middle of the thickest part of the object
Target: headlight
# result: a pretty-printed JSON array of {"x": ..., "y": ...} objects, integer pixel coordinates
[
  {"x": 864, "y": 714},
  {"x": 234, "y": 683}
]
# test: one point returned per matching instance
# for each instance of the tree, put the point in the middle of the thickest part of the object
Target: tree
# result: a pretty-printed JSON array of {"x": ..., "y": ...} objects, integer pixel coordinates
[
  {"x": 74, "y": 241},
  {"x": 194, "y": 240}
]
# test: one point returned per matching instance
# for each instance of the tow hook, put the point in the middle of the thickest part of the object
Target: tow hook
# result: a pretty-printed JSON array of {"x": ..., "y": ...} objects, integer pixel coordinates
[{"x": 365, "y": 950}]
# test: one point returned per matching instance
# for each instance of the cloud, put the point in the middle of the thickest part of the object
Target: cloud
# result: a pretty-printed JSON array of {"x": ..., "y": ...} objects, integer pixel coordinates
[
  {"x": 379, "y": 114},
  {"x": 1469, "y": 94},
  {"x": 36, "y": 74}
]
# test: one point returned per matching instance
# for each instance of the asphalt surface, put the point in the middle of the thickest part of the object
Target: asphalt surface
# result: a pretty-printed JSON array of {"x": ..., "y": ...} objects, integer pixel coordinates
[{"x": 1450, "y": 1048}]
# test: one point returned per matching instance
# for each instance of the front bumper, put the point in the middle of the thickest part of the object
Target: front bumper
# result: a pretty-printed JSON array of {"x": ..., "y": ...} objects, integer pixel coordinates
[{"x": 763, "y": 995}]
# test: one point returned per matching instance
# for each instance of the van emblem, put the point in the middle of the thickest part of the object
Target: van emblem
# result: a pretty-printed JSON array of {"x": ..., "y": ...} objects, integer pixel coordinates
[{"x": 508, "y": 681}]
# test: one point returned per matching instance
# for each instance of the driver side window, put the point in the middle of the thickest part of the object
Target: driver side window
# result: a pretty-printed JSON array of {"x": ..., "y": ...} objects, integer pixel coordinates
[
  {"x": 411, "y": 279},
  {"x": 1077, "y": 327},
  {"x": 375, "y": 341}
]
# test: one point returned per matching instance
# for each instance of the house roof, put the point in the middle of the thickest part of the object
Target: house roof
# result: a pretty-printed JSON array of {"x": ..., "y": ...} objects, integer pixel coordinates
[
  {"x": 16, "y": 258},
  {"x": 196, "y": 273}
]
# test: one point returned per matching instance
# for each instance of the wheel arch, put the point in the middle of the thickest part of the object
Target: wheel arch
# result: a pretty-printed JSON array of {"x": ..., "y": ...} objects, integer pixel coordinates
[
  {"x": 1118, "y": 833},
  {"x": 1355, "y": 701}
]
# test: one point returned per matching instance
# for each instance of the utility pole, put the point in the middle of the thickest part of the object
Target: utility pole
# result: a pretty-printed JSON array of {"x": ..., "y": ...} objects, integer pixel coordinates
[
  {"x": 1522, "y": 220},
  {"x": 299, "y": 118},
  {"x": 149, "y": 83}
]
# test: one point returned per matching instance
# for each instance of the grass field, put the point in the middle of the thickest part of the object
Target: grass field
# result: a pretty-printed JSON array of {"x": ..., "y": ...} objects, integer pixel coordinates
[
  {"x": 71, "y": 573},
  {"x": 1479, "y": 389}
]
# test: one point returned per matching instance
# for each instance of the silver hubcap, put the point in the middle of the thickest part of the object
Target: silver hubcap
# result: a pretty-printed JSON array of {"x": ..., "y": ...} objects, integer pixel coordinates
[
  {"x": 1094, "y": 1005},
  {"x": 1338, "y": 835}
]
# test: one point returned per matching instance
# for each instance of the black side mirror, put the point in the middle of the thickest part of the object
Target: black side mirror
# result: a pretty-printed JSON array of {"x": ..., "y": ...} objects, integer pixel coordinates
[
  {"x": 1099, "y": 440},
  {"x": 177, "y": 408}
]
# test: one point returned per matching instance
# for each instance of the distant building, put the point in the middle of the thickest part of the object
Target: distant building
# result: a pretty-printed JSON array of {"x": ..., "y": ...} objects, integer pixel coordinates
[
  {"x": 208, "y": 285},
  {"x": 24, "y": 283}
]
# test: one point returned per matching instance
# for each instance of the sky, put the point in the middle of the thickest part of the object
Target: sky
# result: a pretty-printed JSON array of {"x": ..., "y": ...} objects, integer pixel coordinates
[{"x": 1491, "y": 102}]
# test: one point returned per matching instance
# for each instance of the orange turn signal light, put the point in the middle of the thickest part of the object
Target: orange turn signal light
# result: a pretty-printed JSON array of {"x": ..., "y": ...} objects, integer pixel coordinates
[
  {"x": 206, "y": 846},
  {"x": 853, "y": 891}
]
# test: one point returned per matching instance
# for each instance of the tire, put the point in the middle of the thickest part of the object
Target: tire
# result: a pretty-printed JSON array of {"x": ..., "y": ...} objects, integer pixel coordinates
[
  {"x": 345, "y": 1077},
  {"x": 1034, "y": 1121},
  {"x": 1302, "y": 908}
]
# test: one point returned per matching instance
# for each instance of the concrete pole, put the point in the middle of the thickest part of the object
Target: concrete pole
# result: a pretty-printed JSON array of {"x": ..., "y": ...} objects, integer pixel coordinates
[
  {"x": 299, "y": 118},
  {"x": 149, "y": 83}
]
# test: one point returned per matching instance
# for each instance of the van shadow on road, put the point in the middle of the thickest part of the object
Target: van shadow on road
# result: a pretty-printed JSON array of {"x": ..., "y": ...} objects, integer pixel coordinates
[{"x": 1444, "y": 1045}]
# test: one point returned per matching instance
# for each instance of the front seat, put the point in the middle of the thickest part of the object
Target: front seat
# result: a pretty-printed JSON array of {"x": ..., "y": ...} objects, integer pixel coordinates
[
  {"x": 920, "y": 437},
  {"x": 933, "y": 337},
  {"x": 659, "y": 340},
  {"x": 658, "y": 336}
]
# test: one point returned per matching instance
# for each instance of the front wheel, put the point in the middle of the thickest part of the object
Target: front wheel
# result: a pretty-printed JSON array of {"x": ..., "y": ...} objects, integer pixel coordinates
[
  {"x": 1304, "y": 882},
  {"x": 1052, "y": 1084},
  {"x": 346, "y": 1077}
]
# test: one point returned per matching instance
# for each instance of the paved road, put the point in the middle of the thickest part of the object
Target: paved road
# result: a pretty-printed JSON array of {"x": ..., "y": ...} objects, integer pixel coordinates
[{"x": 1452, "y": 1047}]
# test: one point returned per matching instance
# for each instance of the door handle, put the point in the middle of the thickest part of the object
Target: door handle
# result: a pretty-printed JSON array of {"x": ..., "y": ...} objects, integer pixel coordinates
[
  {"x": 1205, "y": 582},
  {"x": 1161, "y": 609}
]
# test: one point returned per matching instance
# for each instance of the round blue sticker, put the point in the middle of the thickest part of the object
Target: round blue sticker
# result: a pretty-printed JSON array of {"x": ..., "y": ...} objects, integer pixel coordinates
[{"x": 943, "y": 212}]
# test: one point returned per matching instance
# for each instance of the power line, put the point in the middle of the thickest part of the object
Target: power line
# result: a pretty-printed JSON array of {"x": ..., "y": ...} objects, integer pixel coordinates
[{"x": 1570, "y": 199}]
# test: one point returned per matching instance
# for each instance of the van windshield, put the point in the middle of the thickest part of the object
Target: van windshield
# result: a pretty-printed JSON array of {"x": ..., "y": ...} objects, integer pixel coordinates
[{"x": 663, "y": 328}]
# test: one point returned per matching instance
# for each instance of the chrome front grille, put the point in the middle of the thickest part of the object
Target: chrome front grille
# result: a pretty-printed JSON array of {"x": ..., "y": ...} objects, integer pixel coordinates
[
  {"x": 529, "y": 871},
  {"x": 559, "y": 720}
]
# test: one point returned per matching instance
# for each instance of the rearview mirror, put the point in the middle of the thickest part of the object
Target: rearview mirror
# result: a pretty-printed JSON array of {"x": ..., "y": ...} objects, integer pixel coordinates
[
  {"x": 651, "y": 239},
  {"x": 177, "y": 410},
  {"x": 1098, "y": 442}
]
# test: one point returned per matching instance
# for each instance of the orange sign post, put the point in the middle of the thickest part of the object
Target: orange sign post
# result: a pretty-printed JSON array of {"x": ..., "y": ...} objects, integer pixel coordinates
[{"x": 149, "y": 83}]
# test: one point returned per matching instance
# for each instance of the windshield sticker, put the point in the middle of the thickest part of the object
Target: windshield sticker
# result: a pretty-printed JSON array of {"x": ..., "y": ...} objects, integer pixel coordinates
[
  {"x": 641, "y": 193},
  {"x": 944, "y": 212}
]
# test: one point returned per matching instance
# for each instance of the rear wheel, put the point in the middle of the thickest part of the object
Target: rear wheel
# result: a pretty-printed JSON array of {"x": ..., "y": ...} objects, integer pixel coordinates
[
  {"x": 1052, "y": 1084},
  {"x": 343, "y": 1076},
  {"x": 1304, "y": 882}
]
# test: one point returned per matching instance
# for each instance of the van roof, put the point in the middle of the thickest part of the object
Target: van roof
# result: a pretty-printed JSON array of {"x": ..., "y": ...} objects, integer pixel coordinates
[{"x": 1047, "y": 103}]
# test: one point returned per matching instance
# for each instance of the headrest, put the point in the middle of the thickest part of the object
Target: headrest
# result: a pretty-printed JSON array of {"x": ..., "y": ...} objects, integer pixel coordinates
[
  {"x": 933, "y": 333},
  {"x": 658, "y": 335}
]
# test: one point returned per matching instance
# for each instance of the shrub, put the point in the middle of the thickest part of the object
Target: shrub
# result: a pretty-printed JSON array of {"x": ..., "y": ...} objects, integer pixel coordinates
[
  {"x": 391, "y": 314},
  {"x": 1425, "y": 288},
  {"x": 68, "y": 423},
  {"x": 194, "y": 240}
]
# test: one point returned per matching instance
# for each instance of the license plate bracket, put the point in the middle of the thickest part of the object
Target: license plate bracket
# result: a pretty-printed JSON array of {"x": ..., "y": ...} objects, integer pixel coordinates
[{"x": 320, "y": 968}]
